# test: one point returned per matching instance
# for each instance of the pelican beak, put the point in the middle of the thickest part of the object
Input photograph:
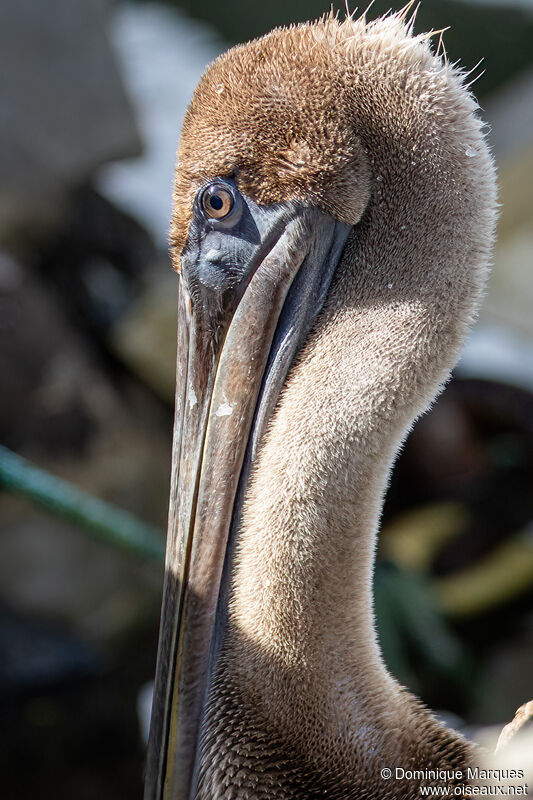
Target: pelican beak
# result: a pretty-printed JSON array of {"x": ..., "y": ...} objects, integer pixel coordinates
[{"x": 249, "y": 291}]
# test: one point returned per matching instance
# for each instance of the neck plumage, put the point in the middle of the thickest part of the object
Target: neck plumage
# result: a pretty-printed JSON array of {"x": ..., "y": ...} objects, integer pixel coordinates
[{"x": 300, "y": 688}]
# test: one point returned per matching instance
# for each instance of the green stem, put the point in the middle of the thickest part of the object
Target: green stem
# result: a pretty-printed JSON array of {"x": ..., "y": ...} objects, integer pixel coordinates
[{"x": 102, "y": 520}]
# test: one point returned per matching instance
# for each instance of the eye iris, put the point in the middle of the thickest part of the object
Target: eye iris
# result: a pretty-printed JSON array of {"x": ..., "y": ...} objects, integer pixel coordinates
[{"x": 217, "y": 202}]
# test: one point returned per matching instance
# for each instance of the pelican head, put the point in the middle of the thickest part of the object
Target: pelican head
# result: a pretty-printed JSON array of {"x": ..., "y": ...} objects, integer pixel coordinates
[{"x": 334, "y": 215}]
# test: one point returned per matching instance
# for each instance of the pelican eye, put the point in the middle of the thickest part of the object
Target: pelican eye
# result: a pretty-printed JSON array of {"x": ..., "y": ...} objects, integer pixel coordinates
[{"x": 217, "y": 201}]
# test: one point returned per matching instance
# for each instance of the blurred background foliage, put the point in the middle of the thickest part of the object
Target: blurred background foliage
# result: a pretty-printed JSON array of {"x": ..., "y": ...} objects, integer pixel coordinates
[{"x": 91, "y": 115}]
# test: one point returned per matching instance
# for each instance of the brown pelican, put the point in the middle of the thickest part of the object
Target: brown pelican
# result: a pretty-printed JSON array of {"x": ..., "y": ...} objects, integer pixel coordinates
[{"x": 334, "y": 216}]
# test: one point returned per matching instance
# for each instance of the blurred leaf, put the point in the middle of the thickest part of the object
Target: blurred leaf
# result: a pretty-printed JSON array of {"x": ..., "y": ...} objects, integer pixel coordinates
[
  {"x": 506, "y": 572},
  {"x": 412, "y": 539},
  {"x": 413, "y": 629}
]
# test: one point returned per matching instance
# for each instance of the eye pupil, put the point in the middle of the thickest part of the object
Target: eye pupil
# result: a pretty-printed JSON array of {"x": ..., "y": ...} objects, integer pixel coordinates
[{"x": 216, "y": 202}]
